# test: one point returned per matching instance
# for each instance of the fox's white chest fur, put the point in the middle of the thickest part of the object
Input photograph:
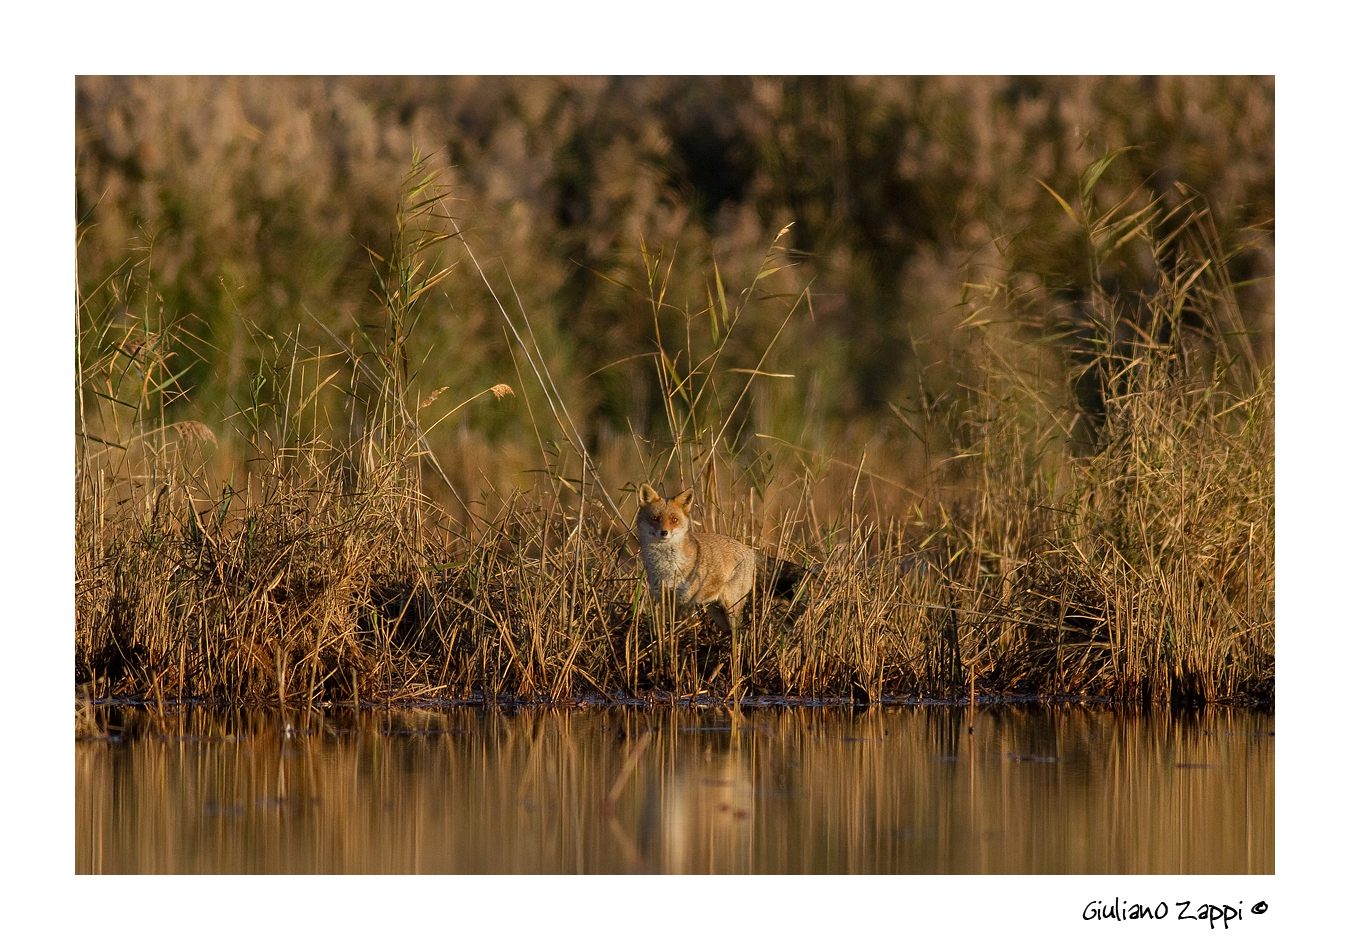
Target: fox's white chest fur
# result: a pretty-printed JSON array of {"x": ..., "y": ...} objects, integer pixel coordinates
[{"x": 670, "y": 564}]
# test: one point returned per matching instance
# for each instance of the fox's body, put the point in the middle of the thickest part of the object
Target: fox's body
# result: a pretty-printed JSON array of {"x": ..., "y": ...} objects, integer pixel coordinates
[{"x": 699, "y": 568}]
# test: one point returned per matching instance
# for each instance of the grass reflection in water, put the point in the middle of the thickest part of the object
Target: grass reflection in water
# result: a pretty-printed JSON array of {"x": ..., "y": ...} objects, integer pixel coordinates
[{"x": 766, "y": 789}]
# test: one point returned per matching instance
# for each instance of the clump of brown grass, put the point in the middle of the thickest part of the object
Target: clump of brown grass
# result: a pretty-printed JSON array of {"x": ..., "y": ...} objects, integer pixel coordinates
[
  {"x": 1098, "y": 517},
  {"x": 1113, "y": 529}
]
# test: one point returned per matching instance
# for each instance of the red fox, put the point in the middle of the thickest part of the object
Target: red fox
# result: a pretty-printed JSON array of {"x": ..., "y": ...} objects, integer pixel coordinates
[{"x": 700, "y": 568}]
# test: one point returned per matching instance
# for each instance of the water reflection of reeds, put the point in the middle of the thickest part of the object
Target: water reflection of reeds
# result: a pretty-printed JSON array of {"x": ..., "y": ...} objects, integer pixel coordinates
[{"x": 1033, "y": 789}]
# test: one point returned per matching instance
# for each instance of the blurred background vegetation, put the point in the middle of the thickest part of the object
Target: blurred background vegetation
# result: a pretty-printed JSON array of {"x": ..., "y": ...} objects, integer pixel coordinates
[{"x": 233, "y": 226}]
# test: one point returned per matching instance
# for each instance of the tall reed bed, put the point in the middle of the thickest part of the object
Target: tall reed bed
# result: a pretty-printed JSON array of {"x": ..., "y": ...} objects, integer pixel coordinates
[{"x": 1083, "y": 509}]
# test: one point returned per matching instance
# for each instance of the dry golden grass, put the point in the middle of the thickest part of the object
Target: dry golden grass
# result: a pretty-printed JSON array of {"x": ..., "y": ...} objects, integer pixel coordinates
[{"x": 1096, "y": 516}]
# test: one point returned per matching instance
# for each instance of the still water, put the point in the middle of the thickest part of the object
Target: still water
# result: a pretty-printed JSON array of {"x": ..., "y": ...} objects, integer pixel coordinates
[{"x": 769, "y": 789}]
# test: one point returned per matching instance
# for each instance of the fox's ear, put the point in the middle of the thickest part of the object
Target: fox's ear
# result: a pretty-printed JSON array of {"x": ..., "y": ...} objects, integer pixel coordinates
[
  {"x": 684, "y": 499},
  {"x": 647, "y": 494}
]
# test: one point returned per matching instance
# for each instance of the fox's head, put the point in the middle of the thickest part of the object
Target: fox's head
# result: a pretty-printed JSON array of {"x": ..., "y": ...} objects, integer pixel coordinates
[{"x": 661, "y": 519}]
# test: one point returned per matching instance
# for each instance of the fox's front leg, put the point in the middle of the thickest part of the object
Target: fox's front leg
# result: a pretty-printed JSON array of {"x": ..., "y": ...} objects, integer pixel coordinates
[{"x": 723, "y": 618}]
